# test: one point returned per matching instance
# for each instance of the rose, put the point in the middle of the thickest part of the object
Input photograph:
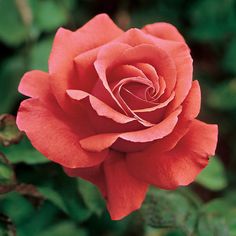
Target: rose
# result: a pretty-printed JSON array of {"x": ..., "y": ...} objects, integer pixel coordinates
[{"x": 118, "y": 109}]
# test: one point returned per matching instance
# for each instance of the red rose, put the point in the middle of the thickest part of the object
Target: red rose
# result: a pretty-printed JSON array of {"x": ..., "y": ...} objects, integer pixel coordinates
[{"x": 118, "y": 109}]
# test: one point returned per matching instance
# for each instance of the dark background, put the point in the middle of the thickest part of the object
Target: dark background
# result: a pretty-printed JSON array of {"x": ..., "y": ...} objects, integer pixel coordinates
[{"x": 57, "y": 205}]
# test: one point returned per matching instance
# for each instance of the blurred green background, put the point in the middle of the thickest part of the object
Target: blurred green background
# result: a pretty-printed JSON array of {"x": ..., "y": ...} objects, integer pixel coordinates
[{"x": 38, "y": 199}]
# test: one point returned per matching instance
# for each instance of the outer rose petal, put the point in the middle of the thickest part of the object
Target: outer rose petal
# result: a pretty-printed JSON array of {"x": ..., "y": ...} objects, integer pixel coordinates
[
  {"x": 191, "y": 108},
  {"x": 55, "y": 135},
  {"x": 182, "y": 164},
  {"x": 164, "y": 31},
  {"x": 101, "y": 108},
  {"x": 93, "y": 174},
  {"x": 35, "y": 84},
  {"x": 100, "y": 142},
  {"x": 67, "y": 45},
  {"x": 125, "y": 193}
]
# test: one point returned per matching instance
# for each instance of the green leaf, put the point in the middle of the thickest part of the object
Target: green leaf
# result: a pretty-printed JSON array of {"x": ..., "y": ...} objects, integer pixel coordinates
[
  {"x": 223, "y": 208},
  {"x": 12, "y": 29},
  {"x": 63, "y": 193},
  {"x": 53, "y": 196},
  {"x": 65, "y": 228},
  {"x": 50, "y": 15},
  {"x": 212, "y": 226},
  {"x": 223, "y": 97},
  {"x": 24, "y": 152},
  {"x": 230, "y": 57},
  {"x": 211, "y": 20},
  {"x": 91, "y": 197},
  {"x": 7, "y": 228},
  {"x": 41, "y": 219},
  {"x": 213, "y": 176},
  {"x": 39, "y": 54},
  {"x": 163, "y": 209},
  {"x": 16, "y": 207},
  {"x": 11, "y": 71},
  {"x": 6, "y": 174}
]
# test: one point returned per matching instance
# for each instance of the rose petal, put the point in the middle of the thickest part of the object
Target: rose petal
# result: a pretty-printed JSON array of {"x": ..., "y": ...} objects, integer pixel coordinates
[
  {"x": 151, "y": 74},
  {"x": 181, "y": 165},
  {"x": 100, "y": 107},
  {"x": 143, "y": 53},
  {"x": 164, "y": 31},
  {"x": 191, "y": 108},
  {"x": 123, "y": 71},
  {"x": 125, "y": 193},
  {"x": 180, "y": 53},
  {"x": 87, "y": 75},
  {"x": 93, "y": 174},
  {"x": 67, "y": 45},
  {"x": 100, "y": 142},
  {"x": 56, "y": 135},
  {"x": 35, "y": 84}
]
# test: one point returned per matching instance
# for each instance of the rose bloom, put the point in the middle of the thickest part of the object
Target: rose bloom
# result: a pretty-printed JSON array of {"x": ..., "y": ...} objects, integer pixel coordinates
[{"x": 118, "y": 109}]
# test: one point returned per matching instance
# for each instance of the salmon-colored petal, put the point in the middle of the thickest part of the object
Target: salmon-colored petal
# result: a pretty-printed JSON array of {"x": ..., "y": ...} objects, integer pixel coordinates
[
  {"x": 191, "y": 108},
  {"x": 56, "y": 135},
  {"x": 151, "y": 74},
  {"x": 155, "y": 107},
  {"x": 86, "y": 73},
  {"x": 100, "y": 142},
  {"x": 164, "y": 30},
  {"x": 105, "y": 59},
  {"x": 125, "y": 193},
  {"x": 123, "y": 71},
  {"x": 67, "y": 45},
  {"x": 100, "y": 107},
  {"x": 179, "y": 166},
  {"x": 158, "y": 59},
  {"x": 35, "y": 84},
  {"x": 177, "y": 50},
  {"x": 180, "y": 54},
  {"x": 93, "y": 174}
]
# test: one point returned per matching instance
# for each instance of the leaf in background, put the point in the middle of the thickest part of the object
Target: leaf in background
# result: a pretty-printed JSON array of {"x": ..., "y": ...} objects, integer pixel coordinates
[
  {"x": 9, "y": 133},
  {"x": 212, "y": 20},
  {"x": 7, "y": 175},
  {"x": 11, "y": 71},
  {"x": 62, "y": 191},
  {"x": 39, "y": 55},
  {"x": 7, "y": 228},
  {"x": 18, "y": 208},
  {"x": 225, "y": 209},
  {"x": 91, "y": 197},
  {"x": 41, "y": 219},
  {"x": 213, "y": 176},
  {"x": 28, "y": 220},
  {"x": 53, "y": 196},
  {"x": 230, "y": 57},
  {"x": 157, "y": 11},
  {"x": 49, "y": 14},
  {"x": 24, "y": 152},
  {"x": 163, "y": 209},
  {"x": 65, "y": 228},
  {"x": 223, "y": 97},
  {"x": 12, "y": 29},
  {"x": 212, "y": 226}
]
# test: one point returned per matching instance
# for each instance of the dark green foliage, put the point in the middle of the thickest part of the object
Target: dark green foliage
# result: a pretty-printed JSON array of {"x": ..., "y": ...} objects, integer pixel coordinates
[{"x": 38, "y": 199}]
